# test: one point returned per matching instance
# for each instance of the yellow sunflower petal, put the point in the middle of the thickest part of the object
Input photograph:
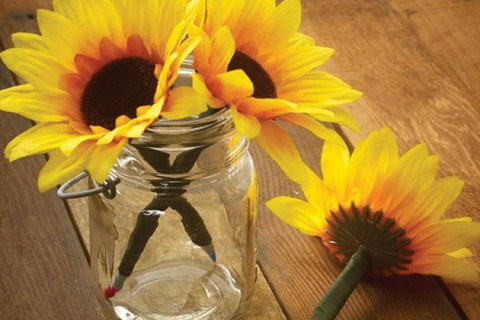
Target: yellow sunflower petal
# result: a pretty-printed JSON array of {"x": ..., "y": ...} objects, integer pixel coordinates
[
  {"x": 200, "y": 86},
  {"x": 231, "y": 86},
  {"x": 20, "y": 89},
  {"x": 163, "y": 85},
  {"x": 218, "y": 12},
  {"x": 29, "y": 41},
  {"x": 42, "y": 138},
  {"x": 132, "y": 128},
  {"x": 99, "y": 129},
  {"x": 27, "y": 102},
  {"x": 281, "y": 25},
  {"x": 120, "y": 131},
  {"x": 297, "y": 213},
  {"x": 70, "y": 145},
  {"x": 167, "y": 18},
  {"x": 370, "y": 162},
  {"x": 80, "y": 126},
  {"x": 202, "y": 54},
  {"x": 246, "y": 124},
  {"x": 432, "y": 203},
  {"x": 338, "y": 115},
  {"x": 195, "y": 12},
  {"x": 300, "y": 39},
  {"x": 451, "y": 268},
  {"x": 176, "y": 37},
  {"x": 296, "y": 61},
  {"x": 461, "y": 253},
  {"x": 415, "y": 171},
  {"x": 314, "y": 126},
  {"x": 62, "y": 36},
  {"x": 97, "y": 18},
  {"x": 317, "y": 90},
  {"x": 223, "y": 48},
  {"x": 266, "y": 108},
  {"x": 334, "y": 163},
  {"x": 448, "y": 236},
  {"x": 278, "y": 145},
  {"x": 244, "y": 18},
  {"x": 152, "y": 112},
  {"x": 136, "y": 130},
  {"x": 60, "y": 168},
  {"x": 183, "y": 102},
  {"x": 185, "y": 48},
  {"x": 447, "y": 190},
  {"x": 35, "y": 67},
  {"x": 103, "y": 158}
]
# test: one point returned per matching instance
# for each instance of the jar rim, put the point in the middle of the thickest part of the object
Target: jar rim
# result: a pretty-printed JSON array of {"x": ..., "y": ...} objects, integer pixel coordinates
[
  {"x": 207, "y": 127},
  {"x": 208, "y": 117}
]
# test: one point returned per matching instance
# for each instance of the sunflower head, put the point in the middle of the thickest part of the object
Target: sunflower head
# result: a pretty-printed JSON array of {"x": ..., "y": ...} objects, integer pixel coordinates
[
  {"x": 99, "y": 74},
  {"x": 349, "y": 228},
  {"x": 389, "y": 204},
  {"x": 253, "y": 60}
]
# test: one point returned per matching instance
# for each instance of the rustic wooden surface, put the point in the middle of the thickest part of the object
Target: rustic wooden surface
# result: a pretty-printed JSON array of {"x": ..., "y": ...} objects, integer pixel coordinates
[
  {"x": 418, "y": 63},
  {"x": 44, "y": 272}
]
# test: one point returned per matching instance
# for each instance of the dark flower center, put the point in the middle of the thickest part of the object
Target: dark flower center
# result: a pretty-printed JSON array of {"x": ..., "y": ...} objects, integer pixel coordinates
[
  {"x": 385, "y": 242},
  {"x": 262, "y": 83},
  {"x": 118, "y": 88}
]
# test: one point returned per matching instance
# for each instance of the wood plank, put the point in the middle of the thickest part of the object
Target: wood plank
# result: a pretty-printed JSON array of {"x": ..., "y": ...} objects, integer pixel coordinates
[
  {"x": 450, "y": 32},
  {"x": 44, "y": 272},
  {"x": 418, "y": 64}
]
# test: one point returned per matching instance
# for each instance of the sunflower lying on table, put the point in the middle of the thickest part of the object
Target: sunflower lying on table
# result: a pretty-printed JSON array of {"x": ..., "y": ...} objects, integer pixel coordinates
[{"x": 382, "y": 213}]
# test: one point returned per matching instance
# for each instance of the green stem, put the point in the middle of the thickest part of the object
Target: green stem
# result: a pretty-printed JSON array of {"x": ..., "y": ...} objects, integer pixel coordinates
[{"x": 342, "y": 288}]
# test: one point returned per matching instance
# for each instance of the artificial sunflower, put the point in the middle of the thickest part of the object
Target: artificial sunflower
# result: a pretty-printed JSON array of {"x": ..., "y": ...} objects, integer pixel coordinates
[
  {"x": 381, "y": 213},
  {"x": 254, "y": 60},
  {"x": 392, "y": 206},
  {"x": 100, "y": 72}
]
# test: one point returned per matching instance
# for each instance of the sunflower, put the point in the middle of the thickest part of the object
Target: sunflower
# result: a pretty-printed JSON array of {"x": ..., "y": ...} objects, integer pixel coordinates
[
  {"x": 254, "y": 60},
  {"x": 391, "y": 205},
  {"x": 98, "y": 74}
]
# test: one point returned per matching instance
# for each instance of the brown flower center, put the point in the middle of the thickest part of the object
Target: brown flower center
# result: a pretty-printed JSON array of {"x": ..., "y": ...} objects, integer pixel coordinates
[
  {"x": 385, "y": 241},
  {"x": 118, "y": 88},
  {"x": 262, "y": 83}
]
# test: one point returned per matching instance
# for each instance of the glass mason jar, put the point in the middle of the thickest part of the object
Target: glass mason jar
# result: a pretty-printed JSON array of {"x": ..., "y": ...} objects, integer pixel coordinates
[{"x": 178, "y": 241}]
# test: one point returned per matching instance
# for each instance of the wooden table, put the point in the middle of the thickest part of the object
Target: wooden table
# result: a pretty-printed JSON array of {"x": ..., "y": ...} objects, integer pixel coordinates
[{"x": 418, "y": 63}]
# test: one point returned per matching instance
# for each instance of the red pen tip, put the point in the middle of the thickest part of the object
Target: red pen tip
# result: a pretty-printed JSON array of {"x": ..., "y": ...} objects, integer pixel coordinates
[{"x": 110, "y": 292}]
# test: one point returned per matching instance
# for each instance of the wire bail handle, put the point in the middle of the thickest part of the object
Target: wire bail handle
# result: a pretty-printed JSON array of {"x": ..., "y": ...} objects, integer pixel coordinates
[{"x": 108, "y": 188}]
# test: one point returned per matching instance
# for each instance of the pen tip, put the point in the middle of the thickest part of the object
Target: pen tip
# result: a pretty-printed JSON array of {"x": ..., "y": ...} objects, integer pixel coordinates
[
  {"x": 210, "y": 250},
  {"x": 213, "y": 256}
]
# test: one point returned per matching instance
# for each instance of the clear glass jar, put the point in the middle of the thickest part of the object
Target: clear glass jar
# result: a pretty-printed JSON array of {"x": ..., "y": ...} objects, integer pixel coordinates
[{"x": 179, "y": 239}]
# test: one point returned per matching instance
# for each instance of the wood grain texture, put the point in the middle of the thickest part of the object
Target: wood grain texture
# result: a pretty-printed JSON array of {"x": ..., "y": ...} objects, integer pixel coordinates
[
  {"x": 418, "y": 64},
  {"x": 44, "y": 272}
]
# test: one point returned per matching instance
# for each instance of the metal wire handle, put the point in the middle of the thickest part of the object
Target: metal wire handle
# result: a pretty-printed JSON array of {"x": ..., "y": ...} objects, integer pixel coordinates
[{"x": 107, "y": 188}]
